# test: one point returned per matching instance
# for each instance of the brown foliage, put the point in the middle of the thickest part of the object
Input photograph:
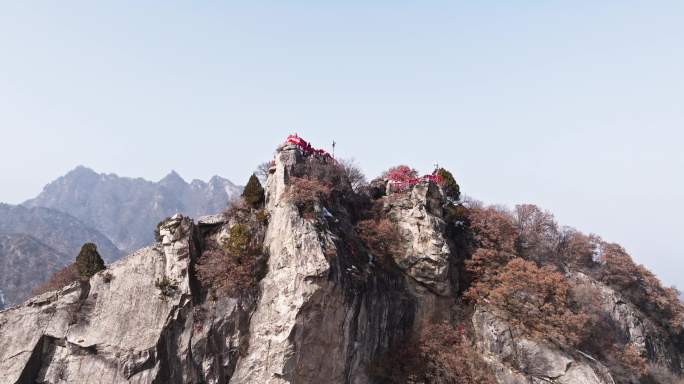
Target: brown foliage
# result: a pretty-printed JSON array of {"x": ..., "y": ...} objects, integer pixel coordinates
[
  {"x": 494, "y": 235},
  {"x": 630, "y": 357},
  {"x": 534, "y": 300},
  {"x": 640, "y": 286},
  {"x": 263, "y": 170},
  {"x": 306, "y": 192},
  {"x": 353, "y": 174},
  {"x": 537, "y": 237},
  {"x": 438, "y": 353},
  {"x": 327, "y": 172},
  {"x": 224, "y": 274},
  {"x": 656, "y": 374},
  {"x": 576, "y": 249},
  {"x": 58, "y": 280},
  {"x": 380, "y": 236},
  {"x": 450, "y": 352},
  {"x": 232, "y": 266},
  {"x": 493, "y": 228},
  {"x": 512, "y": 270}
]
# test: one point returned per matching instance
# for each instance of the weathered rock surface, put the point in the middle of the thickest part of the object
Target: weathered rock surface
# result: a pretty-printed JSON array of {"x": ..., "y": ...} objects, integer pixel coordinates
[
  {"x": 516, "y": 359},
  {"x": 320, "y": 319},
  {"x": 324, "y": 311},
  {"x": 112, "y": 329},
  {"x": 323, "y": 314},
  {"x": 427, "y": 252},
  {"x": 645, "y": 335}
]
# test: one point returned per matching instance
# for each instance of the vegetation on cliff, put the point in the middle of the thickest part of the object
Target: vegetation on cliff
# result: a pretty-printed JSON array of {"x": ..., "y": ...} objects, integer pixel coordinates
[
  {"x": 519, "y": 263},
  {"x": 230, "y": 262},
  {"x": 253, "y": 194},
  {"x": 87, "y": 263}
]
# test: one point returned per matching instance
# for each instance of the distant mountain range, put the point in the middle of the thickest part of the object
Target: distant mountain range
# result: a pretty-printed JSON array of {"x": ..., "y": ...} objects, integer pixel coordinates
[
  {"x": 58, "y": 230},
  {"x": 125, "y": 208},
  {"x": 25, "y": 262},
  {"x": 34, "y": 242},
  {"x": 116, "y": 213}
]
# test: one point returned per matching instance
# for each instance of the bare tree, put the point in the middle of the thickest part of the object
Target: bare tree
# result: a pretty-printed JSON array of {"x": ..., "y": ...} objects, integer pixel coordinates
[
  {"x": 538, "y": 233},
  {"x": 356, "y": 177},
  {"x": 261, "y": 171}
]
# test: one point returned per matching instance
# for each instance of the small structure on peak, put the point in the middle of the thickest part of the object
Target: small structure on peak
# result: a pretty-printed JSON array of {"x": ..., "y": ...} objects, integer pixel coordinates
[
  {"x": 306, "y": 147},
  {"x": 403, "y": 177}
]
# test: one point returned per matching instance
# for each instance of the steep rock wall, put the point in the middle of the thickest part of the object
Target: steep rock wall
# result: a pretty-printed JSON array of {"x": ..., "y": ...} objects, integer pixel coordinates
[
  {"x": 322, "y": 316},
  {"x": 516, "y": 359},
  {"x": 325, "y": 310}
]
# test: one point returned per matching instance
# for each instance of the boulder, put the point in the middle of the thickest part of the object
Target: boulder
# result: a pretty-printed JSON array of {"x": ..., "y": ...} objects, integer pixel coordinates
[{"x": 427, "y": 252}]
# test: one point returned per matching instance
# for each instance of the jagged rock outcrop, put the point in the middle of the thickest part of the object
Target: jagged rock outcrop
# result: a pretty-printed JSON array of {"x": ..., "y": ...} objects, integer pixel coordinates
[
  {"x": 320, "y": 318},
  {"x": 110, "y": 329},
  {"x": 518, "y": 359},
  {"x": 647, "y": 337},
  {"x": 427, "y": 254},
  {"x": 324, "y": 310}
]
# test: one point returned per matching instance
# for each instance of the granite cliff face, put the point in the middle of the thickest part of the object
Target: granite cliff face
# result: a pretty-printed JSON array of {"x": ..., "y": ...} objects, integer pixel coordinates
[
  {"x": 326, "y": 309},
  {"x": 125, "y": 209}
]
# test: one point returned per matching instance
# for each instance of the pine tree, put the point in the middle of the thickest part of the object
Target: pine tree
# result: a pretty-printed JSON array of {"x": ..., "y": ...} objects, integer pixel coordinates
[
  {"x": 449, "y": 185},
  {"x": 88, "y": 262},
  {"x": 254, "y": 192}
]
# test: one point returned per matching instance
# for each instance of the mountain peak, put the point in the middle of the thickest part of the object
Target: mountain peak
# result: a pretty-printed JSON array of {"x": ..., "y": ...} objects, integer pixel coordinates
[
  {"x": 173, "y": 180},
  {"x": 80, "y": 171},
  {"x": 172, "y": 177},
  {"x": 125, "y": 208}
]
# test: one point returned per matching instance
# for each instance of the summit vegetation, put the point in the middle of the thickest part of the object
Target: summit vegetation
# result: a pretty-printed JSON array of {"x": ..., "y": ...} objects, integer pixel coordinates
[{"x": 533, "y": 273}]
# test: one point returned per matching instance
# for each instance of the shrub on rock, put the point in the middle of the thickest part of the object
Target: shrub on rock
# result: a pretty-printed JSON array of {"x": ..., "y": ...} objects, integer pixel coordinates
[
  {"x": 232, "y": 265},
  {"x": 449, "y": 185},
  {"x": 88, "y": 262},
  {"x": 254, "y": 192}
]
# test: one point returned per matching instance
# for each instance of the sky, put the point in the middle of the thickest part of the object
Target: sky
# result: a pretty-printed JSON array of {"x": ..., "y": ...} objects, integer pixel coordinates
[{"x": 576, "y": 106}]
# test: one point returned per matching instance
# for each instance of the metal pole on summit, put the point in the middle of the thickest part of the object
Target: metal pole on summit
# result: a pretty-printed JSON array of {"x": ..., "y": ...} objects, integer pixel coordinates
[{"x": 333, "y": 154}]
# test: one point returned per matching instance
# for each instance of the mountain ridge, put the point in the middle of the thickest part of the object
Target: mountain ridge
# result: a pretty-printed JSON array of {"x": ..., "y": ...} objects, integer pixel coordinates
[
  {"x": 308, "y": 280},
  {"x": 124, "y": 208},
  {"x": 36, "y": 241},
  {"x": 26, "y": 262}
]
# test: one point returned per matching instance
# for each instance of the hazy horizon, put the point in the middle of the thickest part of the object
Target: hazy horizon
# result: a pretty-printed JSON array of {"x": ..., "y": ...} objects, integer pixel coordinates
[{"x": 575, "y": 107}]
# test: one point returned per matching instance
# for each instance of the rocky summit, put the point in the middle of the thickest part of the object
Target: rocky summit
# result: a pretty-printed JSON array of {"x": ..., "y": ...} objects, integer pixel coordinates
[{"x": 325, "y": 284}]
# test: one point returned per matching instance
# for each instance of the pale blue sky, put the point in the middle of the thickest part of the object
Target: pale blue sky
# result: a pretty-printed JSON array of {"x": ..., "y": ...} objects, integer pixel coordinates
[{"x": 574, "y": 106}]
